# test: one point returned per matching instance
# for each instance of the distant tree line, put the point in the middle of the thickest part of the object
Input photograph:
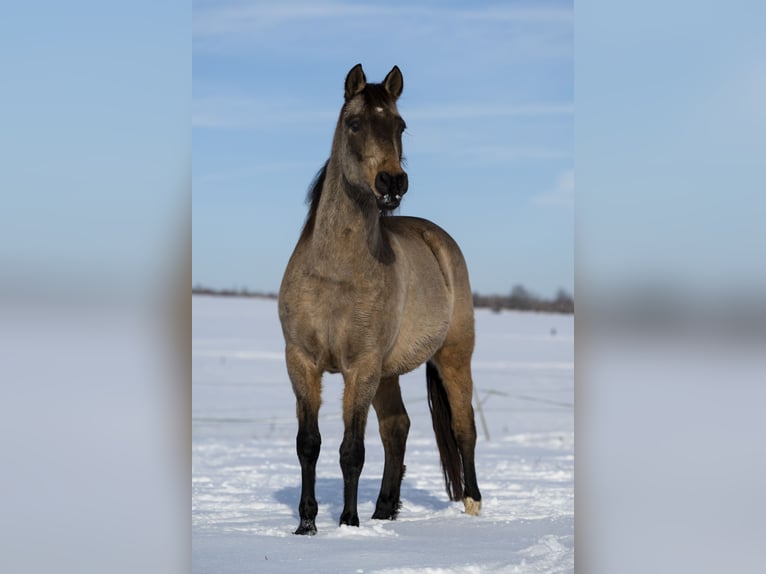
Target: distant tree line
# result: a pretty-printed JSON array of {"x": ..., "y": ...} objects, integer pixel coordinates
[
  {"x": 519, "y": 299},
  {"x": 241, "y": 292}
]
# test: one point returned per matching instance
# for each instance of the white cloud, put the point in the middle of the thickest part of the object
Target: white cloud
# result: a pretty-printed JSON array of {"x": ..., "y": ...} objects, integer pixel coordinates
[
  {"x": 243, "y": 113},
  {"x": 258, "y": 170},
  {"x": 503, "y": 154},
  {"x": 247, "y": 18},
  {"x": 238, "y": 18},
  {"x": 562, "y": 194},
  {"x": 236, "y": 112},
  {"x": 466, "y": 111},
  {"x": 519, "y": 14}
]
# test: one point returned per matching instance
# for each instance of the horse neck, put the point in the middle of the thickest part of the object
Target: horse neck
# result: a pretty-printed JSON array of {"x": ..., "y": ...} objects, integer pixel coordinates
[{"x": 345, "y": 233}]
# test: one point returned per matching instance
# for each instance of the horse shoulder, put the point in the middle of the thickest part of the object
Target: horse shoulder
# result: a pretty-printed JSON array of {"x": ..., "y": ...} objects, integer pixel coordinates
[{"x": 439, "y": 243}]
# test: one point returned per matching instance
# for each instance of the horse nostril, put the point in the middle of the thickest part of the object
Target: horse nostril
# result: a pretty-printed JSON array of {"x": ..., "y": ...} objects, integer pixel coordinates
[
  {"x": 383, "y": 182},
  {"x": 402, "y": 183},
  {"x": 386, "y": 184}
]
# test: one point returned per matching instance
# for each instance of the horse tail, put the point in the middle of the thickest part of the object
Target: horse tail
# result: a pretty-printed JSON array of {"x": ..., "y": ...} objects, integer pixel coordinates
[{"x": 441, "y": 416}]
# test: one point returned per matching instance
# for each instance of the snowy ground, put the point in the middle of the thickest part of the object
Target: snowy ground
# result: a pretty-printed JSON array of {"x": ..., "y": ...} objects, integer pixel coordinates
[{"x": 246, "y": 477}]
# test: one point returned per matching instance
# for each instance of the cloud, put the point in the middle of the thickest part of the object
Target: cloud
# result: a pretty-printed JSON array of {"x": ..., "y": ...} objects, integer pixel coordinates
[
  {"x": 245, "y": 113},
  {"x": 519, "y": 14},
  {"x": 503, "y": 154},
  {"x": 562, "y": 194},
  {"x": 474, "y": 111},
  {"x": 486, "y": 155},
  {"x": 257, "y": 171},
  {"x": 235, "y": 19},
  {"x": 237, "y": 112}
]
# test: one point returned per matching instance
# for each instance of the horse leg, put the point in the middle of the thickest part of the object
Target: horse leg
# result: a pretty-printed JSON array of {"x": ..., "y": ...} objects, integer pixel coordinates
[
  {"x": 307, "y": 385},
  {"x": 394, "y": 425},
  {"x": 454, "y": 369},
  {"x": 357, "y": 397}
]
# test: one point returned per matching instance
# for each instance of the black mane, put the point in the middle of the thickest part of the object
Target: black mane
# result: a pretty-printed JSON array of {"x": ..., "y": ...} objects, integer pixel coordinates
[{"x": 312, "y": 198}]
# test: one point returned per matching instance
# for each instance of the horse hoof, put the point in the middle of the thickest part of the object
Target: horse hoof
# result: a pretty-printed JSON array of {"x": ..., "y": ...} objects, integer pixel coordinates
[
  {"x": 385, "y": 515},
  {"x": 350, "y": 520},
  {"x": 472, "y": 507},
  {"x": 306, "y": 528},
  {"x": 387, "y": 511}
]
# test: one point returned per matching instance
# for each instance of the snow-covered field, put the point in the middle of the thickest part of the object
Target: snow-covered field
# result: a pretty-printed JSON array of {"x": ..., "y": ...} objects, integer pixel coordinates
[{"x": 246, "y": 476}]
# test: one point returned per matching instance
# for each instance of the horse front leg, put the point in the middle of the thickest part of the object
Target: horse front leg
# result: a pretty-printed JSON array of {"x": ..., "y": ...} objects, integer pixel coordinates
[
  {"x": 394, "y": 425},
  {"x": 357, "y": 397},
  {"x": 307, "y": 383}
]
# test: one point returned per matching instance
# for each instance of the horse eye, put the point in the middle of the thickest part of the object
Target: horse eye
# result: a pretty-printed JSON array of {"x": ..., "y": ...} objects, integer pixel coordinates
[{"x": 354, "y": 124}]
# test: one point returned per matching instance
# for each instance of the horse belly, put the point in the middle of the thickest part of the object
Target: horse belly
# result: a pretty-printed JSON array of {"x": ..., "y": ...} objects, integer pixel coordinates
[
  {"x": 419, "y": 338},
  {"x": 427, "y": 310}
]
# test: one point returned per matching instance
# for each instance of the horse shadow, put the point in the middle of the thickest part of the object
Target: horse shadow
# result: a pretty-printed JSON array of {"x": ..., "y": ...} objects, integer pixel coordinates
[{"x": 329, "y": 491}]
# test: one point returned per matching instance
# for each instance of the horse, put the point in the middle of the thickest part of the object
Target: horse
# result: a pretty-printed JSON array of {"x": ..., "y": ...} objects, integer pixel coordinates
[{"x": 372, "y": 296}]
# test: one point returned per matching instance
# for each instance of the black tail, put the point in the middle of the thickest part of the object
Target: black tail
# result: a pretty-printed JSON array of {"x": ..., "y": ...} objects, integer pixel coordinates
[{"x": 441, "y": 415}]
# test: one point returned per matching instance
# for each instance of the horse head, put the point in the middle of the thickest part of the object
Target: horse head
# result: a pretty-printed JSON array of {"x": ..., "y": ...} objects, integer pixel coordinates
[{"x": 368, "y": 137}]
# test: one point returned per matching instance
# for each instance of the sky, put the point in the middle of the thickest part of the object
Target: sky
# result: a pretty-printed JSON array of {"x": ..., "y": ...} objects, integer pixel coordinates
[{"x": 488, "y": 101}]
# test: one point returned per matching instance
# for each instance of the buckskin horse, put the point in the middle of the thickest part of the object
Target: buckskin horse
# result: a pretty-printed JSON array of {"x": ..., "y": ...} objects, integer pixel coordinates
[{"x": 373, "y": 296}]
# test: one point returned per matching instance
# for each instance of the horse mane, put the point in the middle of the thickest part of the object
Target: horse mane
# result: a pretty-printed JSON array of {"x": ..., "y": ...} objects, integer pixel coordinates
[{"x": 312, "y": 198}]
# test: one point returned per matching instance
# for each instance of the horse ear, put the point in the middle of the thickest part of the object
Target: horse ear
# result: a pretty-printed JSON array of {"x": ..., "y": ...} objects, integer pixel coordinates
[
  {"x": 394, "y": 83},
  {"x": 355, "y": 81}
]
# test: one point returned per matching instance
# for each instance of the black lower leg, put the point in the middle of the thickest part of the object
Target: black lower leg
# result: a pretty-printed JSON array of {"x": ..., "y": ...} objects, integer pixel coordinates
[
  {"x": 389, "y": 502},
  {"x": 469, "y": 475},
  {"x": 308, "y": 444},
  {"x": 351, "y": 463},
  {"x": 387, "y": 506},
  {"x": 467, "y": 447},
  {"x": 394, "y": 426}
]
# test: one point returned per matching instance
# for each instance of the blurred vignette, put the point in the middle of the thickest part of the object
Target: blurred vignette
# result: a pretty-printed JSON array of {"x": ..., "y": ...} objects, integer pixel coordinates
[
  {"x": 96, "y": 403},
  {"x": 95, "y": 253},
  {"x": 671, "y": 286},
  {"x": 95, "y": 302}
]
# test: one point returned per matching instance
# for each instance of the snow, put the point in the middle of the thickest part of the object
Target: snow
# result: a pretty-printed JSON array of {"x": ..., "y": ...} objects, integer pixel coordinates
[{"x": 246, "y": 476}]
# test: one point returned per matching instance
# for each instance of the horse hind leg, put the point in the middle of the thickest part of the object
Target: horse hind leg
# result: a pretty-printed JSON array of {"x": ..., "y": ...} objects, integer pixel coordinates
[
  {"x": 307, "y": 385},
  {"x": 358, "y": 393},
  {"x": 394, "y": 426},
  {"x": 450, "y": 389}
]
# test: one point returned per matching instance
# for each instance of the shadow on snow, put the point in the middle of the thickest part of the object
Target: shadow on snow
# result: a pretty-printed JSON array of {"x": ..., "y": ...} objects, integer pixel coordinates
[{"x": 329, "y": 491}]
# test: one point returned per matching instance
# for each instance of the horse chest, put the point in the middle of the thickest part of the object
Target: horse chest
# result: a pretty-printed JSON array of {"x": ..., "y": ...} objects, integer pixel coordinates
[
  {"x": 419, "y": 337},
  {"x": 339, "y": 326}
]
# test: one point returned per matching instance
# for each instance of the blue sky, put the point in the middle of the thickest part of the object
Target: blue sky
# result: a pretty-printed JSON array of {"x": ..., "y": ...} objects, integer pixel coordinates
[{"x": 488, "y": 100}]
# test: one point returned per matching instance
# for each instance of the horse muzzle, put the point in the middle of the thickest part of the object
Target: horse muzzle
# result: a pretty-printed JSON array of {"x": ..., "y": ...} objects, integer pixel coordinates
[{"x": 389, "y": 189}]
